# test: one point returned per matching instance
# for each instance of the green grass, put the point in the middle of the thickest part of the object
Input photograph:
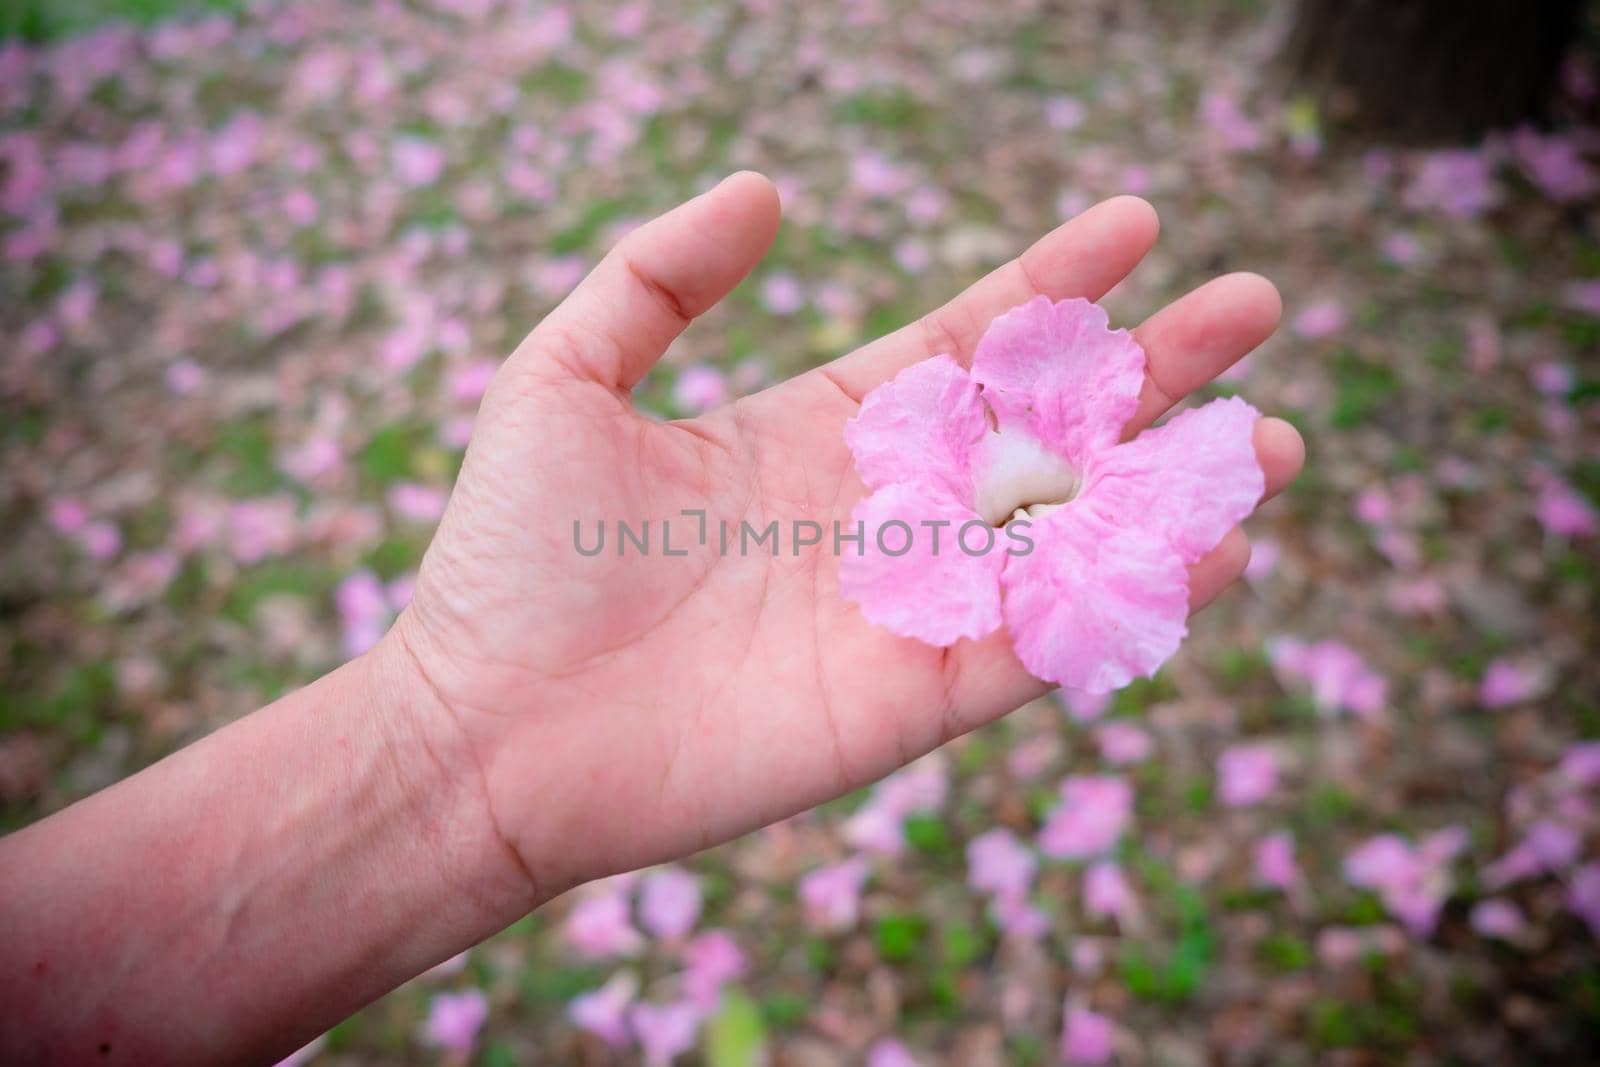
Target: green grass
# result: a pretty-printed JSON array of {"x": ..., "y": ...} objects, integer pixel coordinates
[{"x": 51, "y": 20}]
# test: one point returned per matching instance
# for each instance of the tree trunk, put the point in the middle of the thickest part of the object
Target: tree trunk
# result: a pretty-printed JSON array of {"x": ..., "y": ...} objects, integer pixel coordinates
[{"x": 1430, "y": 71}]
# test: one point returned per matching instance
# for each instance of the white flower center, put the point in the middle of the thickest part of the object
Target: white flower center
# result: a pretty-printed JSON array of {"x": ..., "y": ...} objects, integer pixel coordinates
[{"x": 1019, "y": 478}]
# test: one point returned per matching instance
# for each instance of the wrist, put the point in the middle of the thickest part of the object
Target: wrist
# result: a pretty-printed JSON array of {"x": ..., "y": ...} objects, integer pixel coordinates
[{"x": 440, "y": 774}]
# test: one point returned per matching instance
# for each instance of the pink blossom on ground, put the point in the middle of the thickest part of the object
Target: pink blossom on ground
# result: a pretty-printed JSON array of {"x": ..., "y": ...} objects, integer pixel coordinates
[
  {"x": 1093, "y": 813},
  {"x": 1264, "y": 556},
  {"x": 1563, "y": 512},
  {"x": 1554, "y": 163},
  {"x": 1321, "y": 319},
  {"x": 1583, "y": 896},
  {"x": 1548, "y": 846},
  {"x": 416, "y": 502},
  {"x": 699, "y": 388},
  {"x": 363, "y": 611},
  {"x": 1087, "y": 1037},
  {"x": 1583, "y": 296},
  {"x": 184, "y": 376},
  {"x": 1402, "y": 249},
  {"x": 1412, "y": 881},
  {"x": 1107, "y": 894},
  {"x": 454, "y": 1020},
  {"x": 604, "y": 1011},
  {"x": 1505, "y": 683},
  {"x": 1122, "y": 743},
  {"x": 1552, "y": 378},
  {"x": 1580, "y": 763},
  {"x": 669, "y": 902},
  {"x": 665, "y": 1031},
  {"x": 417, "y": 162},
  {"x": 831, "y": 896},
  {"x": 1228, "y": 124},
  {"x": 890, "y": 1053},
  {"x": 1246, "y": 774},
  {"x": 999, "y": 863},
  {"x": 781, "y": 294},
  {"x": 1274, "y": 862},
  {"x": 1339, "y": 679},
  {"x": 1102, "y": 597},
  {"x": 1458, "y": 183},
  {"x": 1500, "y": 919},
  {"x": 599, "y": 926},
  {"x": 1084, "y": 707},
  {"x": 468, "y": 383},
  {"x": 1016, "y": 916},
  {"x": 711, "y": 960},
  {"x": 101, "y": 539},
  {"x": 879, "y": 824},
  {"x": 1064, "y": 112}
]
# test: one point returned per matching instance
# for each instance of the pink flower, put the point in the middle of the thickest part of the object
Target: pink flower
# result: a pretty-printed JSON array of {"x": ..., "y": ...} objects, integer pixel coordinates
[
  {"x": 1064, "y": 112},
  {"x": 1554, "y": 164},
  {"x": 831, "y": 896},
  {"x": 1500, "y": 919},
  {"x": 1106, "y": 893},
  {"x": 604, "y": 1012},
  {"x": 1580, "y": 763},
  {"x": 1233, "y": 130},
  {"x": 1505, "y": 683},
  {"x": 1547, "y": 847},
  {"x": 890, "y": 1053},
  {"x": 1123, "y": 743},
  {"x": 1093, "y": 813},
  {"x": 1402, "y": 249},
  {"x": 1264, "y": 556},
  {"x": 665, "y": 1031},
  {"x": 998, "y": 863},
  {"x": 416, "y": 502},
  {"x": 879, "y": 824},
  {"x": 669, "y": 902},
  {"x": 1247, "y": 774},
  {"x": 1321, "y": 319},
  {"x": 1086, "y": 1037},
  {"x": 1016, "y": 916},
  {"x": 1583, "y": 896},
  {"x": 699, "y": 388},
  {"x": 1583, "y": 296},
  {"x": 1458, "y": 183},
  {"x": 363, "y": 610},
  {"x": 1101, "y": 596},
  {"x": 710, "y": 961},
  {"x": 1412, "y": 882},
  {"x": 469, "y": 383},
  {"x": 781, "y": 294},
  {"x": 1338, "y": 678},
  {"x": 1562, "y": 512},
  {"x": 1084, "y": 707},
  {"x": 599, "y": 926},
  {"x": 1274, "y": 862},
  {"x": 417, "y": 162},
  {"x": 454, "y": 1019}
]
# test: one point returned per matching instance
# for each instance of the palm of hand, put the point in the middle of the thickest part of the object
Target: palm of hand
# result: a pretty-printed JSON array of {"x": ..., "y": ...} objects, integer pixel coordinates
[{"x": 626, "y": 709}]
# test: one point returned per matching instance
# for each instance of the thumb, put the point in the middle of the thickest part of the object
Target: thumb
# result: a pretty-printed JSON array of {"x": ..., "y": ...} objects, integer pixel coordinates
[{"x": 657, "y": 280}]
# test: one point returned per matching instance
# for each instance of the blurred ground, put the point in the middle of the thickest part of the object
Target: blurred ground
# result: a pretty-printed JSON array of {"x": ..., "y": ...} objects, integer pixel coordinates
[{"x": 257, "y": 270}]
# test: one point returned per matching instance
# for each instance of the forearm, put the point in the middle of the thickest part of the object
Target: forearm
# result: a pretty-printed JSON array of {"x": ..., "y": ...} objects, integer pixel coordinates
[{"x": 235, "y": 899}]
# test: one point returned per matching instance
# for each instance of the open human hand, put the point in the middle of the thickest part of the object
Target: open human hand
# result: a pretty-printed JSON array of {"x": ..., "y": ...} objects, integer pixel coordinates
[{"x": 618, "y": 710}]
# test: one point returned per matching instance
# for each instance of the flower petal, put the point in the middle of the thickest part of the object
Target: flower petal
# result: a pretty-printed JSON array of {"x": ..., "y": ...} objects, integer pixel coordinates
[
  {"x": 934, "y": 593},
  {"x": 1094, "y": 606},
  {"x": 1060, "y": 371},
  {"x": 920, "y": 428},
  {"x": 1190, "y": 480}
]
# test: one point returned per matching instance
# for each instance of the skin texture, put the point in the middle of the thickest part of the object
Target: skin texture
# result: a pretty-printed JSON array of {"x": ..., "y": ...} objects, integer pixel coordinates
[
  {"x": 622, "y": 711},
  {"x": 537, "y": 718}
]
